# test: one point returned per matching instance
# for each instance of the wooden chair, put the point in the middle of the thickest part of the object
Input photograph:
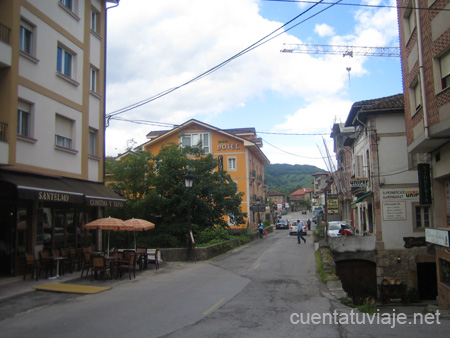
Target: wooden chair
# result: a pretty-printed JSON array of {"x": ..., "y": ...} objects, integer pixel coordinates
[
  {"x": 87, "y": 263},
  {"x": 76, "y": 258},
  {"x": 129, "y": 265},
  {"x": 153, "y": 258},
  {"x": 141, "y": 256},
  {"x": 67, "y": 263},
  {"x": 31, "y": 263},
  {"x": 98, "y": 264},
  {"x": 45, "y": 261}
]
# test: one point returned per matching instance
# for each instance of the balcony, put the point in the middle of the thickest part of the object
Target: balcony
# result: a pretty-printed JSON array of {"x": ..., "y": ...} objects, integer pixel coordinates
[
  {"x": 4, "y": 146},
  {"x": 5, "y": 48}
]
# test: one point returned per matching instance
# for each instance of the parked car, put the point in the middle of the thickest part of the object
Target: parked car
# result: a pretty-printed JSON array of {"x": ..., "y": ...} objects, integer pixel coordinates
[
  {"x": 294, "y": 227},
  {"x": 335, "y": 228},
  {"x": 304, "y": 212},
  {"x": 282, "y": 224}
]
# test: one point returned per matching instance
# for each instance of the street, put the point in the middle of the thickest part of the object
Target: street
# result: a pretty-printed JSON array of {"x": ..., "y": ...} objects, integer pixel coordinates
[{"x": 268, "y": 288}]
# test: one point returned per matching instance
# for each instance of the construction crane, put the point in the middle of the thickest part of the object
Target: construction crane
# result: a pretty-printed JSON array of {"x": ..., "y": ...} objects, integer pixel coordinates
[{"x": 341, "y": 50}]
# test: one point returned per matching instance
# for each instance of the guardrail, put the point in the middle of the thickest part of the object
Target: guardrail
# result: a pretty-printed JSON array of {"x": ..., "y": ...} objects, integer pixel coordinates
[{"x": 5, "y": 32}]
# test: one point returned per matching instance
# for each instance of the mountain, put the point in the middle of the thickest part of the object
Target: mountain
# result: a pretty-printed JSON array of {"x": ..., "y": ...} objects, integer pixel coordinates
[{"x": 287, "y": 178}]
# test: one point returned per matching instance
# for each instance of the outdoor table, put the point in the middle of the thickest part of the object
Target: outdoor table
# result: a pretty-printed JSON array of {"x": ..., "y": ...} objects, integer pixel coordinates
[{"x": 57, "y": 259}]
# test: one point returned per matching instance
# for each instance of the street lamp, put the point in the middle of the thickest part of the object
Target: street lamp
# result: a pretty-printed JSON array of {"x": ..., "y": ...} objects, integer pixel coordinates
[{"x": 189, "y": 181}]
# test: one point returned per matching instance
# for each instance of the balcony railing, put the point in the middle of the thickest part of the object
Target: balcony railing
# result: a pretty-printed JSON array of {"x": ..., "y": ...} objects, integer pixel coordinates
[
  {"x": 5, "y": 32},
  {"x": 3, "y": 127}
]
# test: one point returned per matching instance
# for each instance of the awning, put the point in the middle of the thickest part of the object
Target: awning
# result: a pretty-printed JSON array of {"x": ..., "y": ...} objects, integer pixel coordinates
[
  {"x": 57, "y": 189},
  {"x": 362, "y": 197}
]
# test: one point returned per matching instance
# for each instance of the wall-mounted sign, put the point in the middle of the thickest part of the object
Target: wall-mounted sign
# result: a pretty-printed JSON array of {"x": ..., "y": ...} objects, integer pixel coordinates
[
  {"x": 359, "y": 182},
  {"x": 399, "y": 194},
  {"x": 423, "y": 171},
  {"x": 332, "y": 204},
  {"x": 394, "y": 211},
  {"x": 437, "y": 236},
  {"x": 233, "y": 146}
]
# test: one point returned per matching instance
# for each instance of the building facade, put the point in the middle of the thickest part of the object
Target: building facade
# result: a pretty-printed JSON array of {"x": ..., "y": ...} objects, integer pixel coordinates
[
  {"x": 238, "y": 152},
  {"x": 52, "y": 102},
  {"x": 388, "y": 219},
  {"x": 425, "y": 56}
]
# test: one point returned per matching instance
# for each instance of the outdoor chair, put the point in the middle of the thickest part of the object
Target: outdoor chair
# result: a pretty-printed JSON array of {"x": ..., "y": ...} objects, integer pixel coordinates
[
  {"x": 67, "y": 263},
  {"x": 31, "y": 263},
  {"x": 46, "y": 262},
  {"x": 129, "y": 265},
  {"x": 141, "y": 256},
  {"x": 87, "y": 264},
  {"x": 98, "y": 264},
  {"x": 76, "y": 258},
  {"x": 154, "y": 258}
]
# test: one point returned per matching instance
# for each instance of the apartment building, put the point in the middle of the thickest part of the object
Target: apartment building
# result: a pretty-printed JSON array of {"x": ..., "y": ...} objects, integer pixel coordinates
[
  {"x": 425, "y": 54},
  {"x": 52, "y": 99},
  {"x": 238, "y": 152}
]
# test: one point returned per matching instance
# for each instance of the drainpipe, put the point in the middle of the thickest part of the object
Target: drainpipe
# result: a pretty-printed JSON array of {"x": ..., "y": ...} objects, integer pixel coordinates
[{"x": 421, "y": 71}]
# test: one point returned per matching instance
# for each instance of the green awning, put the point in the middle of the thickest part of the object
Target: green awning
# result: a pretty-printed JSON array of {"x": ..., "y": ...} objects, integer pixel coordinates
[{"x": 362, "y": 198}]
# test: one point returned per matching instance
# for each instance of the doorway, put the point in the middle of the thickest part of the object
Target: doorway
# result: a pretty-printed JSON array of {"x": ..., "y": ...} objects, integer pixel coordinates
[
  {"x": 358, "y": 278},
  {"x": 427, "y": 281}
]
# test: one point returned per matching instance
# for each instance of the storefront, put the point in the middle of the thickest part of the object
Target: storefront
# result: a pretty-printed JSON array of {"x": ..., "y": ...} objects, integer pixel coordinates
[{"x": 45, "y": 212}]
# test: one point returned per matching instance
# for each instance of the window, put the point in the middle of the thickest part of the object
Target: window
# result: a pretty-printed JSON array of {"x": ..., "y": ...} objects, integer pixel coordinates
[
  {"x": 24, "y": 119},
  {"x": 63, "y": 132},
  {"x": 92, "y": 142},
  {"x": 409, "y": 22},
  {"x": 444, "y": 62},
  {"x": 26, "y": 37},
  {"x": 421, "y": 216},
  {"x": 94, "y": 16},
  {"x": 64, "y": 62},
  {"x": 93, "y": 79},
  {"x": 195, "y": 140},
  {"x": 232, "y": 166},
  {"x": 415, "y": 96},
  {"x": 67, "y": 3}
]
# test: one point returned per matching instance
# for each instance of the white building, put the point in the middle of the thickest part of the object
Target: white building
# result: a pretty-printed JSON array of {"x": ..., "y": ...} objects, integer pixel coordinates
[{"x": 52, "y": 99}]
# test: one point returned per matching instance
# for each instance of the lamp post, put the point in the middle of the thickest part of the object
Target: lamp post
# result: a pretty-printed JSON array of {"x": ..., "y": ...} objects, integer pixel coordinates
[{"x": 189, "y": 181}]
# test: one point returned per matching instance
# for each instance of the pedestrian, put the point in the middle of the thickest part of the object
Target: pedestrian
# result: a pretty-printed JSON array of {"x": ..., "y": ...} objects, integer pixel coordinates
[
  {"x": 261, "y": 229},
  {"x": 300, "y": 226},
  {"x": 309, "y": 224}
]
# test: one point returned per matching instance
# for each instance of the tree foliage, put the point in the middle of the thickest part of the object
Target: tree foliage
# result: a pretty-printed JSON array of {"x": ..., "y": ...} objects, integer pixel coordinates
[{"x": 154, "y": 187}]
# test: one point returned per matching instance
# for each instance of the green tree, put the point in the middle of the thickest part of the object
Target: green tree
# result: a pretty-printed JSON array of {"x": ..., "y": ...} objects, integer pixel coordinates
[{"x": 154, "y": 186}]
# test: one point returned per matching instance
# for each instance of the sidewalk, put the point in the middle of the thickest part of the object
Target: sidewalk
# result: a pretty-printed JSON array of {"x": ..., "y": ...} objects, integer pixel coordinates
[{"x": 14, "y": 286}]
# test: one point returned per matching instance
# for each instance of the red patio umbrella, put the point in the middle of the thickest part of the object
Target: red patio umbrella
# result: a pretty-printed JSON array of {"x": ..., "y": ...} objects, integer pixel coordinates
[
  {"x": 137, "y": 224},
  {"x": 107, "y": 223}
]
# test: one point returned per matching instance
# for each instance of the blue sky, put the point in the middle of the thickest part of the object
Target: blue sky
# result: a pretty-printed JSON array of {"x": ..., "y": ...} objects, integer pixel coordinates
[{"x": 157, "y": 45}]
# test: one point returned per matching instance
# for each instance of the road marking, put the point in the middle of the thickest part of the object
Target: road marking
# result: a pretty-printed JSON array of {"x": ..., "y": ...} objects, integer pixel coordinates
[
  {"x": 207, "y": 312},
  {"x": 256, "y": 266}
]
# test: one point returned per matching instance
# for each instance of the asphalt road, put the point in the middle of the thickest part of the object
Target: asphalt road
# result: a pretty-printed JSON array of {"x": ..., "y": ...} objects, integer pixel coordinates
[{"x": 267, "y": 288}]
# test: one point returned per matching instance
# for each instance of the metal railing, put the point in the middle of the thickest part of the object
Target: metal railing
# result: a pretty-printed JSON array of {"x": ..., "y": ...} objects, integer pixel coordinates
[
  {"x": 3, "y": 127},
  {"x": 5, "y": 32}
]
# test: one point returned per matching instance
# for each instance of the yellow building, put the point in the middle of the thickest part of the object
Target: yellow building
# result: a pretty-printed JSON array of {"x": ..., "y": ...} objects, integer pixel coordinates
[{"x": 237, "y": 150}]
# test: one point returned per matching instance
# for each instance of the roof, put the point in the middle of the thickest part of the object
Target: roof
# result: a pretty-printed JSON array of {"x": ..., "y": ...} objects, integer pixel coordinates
[
  {"x": 321, "y": 173},
  {"x": 246, "y": 135},
  {"x": 275, "y": 193},
  {"x": 388, "y": 104}
]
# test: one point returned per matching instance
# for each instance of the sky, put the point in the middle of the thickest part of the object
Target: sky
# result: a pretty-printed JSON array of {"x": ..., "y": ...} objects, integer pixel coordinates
[{"x": 292, "y": 100}]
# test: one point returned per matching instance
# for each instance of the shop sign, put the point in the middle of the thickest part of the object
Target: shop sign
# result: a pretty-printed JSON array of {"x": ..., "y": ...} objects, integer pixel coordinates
[
  {"x": 359, "y": 182},
  {"x": 105, "y": 203},
  {"x": 332, "y": 204},
  {"x": 399, "y": 194},
  {"x": 437, "y": 236}
]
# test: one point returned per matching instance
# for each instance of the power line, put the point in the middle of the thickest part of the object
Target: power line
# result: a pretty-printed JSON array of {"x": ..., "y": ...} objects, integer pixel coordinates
[
  {"x": 361, "y": 5},
  {"x": 292, "y": 134},
  {"x": 284, "y": 151},
  {"x": 260, "y": 42}
]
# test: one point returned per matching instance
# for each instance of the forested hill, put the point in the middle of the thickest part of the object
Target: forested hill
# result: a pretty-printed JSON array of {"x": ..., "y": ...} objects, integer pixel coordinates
[{"x": 287, "y": 178}]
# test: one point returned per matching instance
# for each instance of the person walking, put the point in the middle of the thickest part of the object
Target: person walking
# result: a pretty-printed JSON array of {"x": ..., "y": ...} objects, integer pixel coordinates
[
  {"x": 261, "y": 229},
  {"x": 309, "y": 224},
  {"x": 300, "y": 226}
]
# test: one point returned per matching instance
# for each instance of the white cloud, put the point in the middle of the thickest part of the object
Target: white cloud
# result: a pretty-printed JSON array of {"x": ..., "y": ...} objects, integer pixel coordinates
[
  {"x": 157, "y": 45},
  {"x": 324, "y": 30}
]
